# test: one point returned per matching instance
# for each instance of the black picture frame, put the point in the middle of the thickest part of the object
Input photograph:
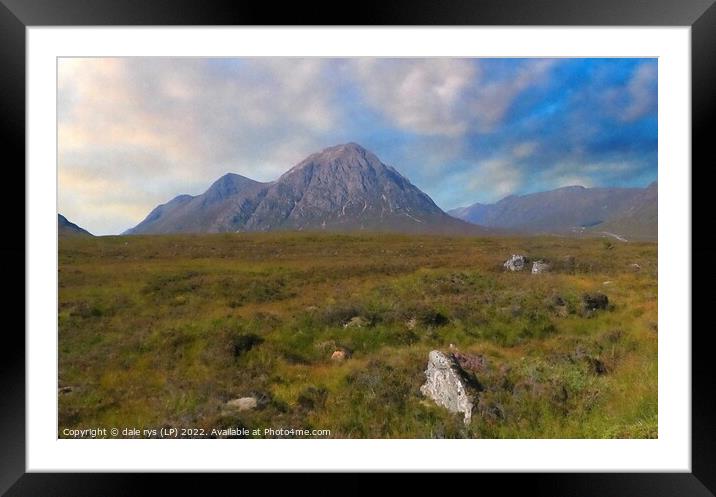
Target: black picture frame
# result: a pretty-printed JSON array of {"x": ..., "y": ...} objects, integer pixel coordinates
[{"x": 17, "y": 15}]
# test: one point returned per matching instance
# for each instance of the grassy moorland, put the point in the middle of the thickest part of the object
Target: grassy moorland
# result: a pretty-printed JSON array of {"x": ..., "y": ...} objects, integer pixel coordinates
[{"x": 159, "y": 331}]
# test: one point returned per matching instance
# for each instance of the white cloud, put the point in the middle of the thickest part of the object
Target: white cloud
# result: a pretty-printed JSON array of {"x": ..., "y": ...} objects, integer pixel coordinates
[
  {"x": 637, "y": 97},
  {"x": 525, "y": 149},
  {"x": 420, "y": 95},
  {"x": 447, "y": 97},
  {"x": 135, "y": 132},
  {"x": 491, "y": 100},
  {"x": 494, "y": 179},
  {"x": 572, "y": 180},
  {"x": 576, "y": 172},
  {"x": 642, "y": 92},
  {"x": 184, "y": 122}
]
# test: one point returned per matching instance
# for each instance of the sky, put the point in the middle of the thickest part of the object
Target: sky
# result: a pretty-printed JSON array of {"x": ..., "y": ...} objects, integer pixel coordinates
[{"x": 136, "y": 132}]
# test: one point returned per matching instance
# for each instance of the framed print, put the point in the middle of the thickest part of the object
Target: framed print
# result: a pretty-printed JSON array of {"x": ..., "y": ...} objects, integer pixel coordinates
[{"x": 430, "y": 240}]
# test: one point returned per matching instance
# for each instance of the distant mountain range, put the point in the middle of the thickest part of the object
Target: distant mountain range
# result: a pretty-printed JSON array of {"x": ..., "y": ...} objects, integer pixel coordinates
[
  {"x": 639, "y": 220},
  {"x": 629, "y": 213},
  {"x": 342, "y": 188},
  {"x": 66, "y": 228},
  {"x": 347, "y": 188}
]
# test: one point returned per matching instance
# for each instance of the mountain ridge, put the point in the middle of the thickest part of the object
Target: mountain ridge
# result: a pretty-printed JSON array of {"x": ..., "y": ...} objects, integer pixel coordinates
[
  {"x": 341, "y": 188},
  {"x": 630, "y": 212},
  {"x": 68, "y": 228}
]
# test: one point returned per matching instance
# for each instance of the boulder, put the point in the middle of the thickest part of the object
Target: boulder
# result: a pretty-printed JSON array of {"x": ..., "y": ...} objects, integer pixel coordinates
[
  {"x": 245, "y": 342},
  {"x": 635, "y": 267},
  {"x": 516, "y": 262},
  {"x": 540, "y": 267},
  {"x": 340, "y": 355},
  {"x": 559, "y": 306},
  {"x": 240, "y": 405},
  {"x": 445, "y": 386},
  {"x": 356, "y": 322},
  {"x": 594, "y": 301}
]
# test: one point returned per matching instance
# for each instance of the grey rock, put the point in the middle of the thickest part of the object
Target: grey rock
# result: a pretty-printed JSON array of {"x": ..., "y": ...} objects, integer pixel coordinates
[
  {"x": 516, "y": 262},
  {"x": 240, "y": 404},
  {"x": 595, "y": 301},
  {"x": 356, "y": 322},
  {"x": 445, "y": 387},
  {"x": 339, "y": 356},
  {"x": 540, "y": 266},
  {"x": 635, "y": 267},
  {"x": 559, "y": 306}
]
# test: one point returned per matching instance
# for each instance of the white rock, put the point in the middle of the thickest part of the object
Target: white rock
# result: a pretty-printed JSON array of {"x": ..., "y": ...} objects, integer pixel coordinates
[
  {"x": 242, "y": 404},
  {"x": 516, "y": 262},
  {"x": 444, "y": 386},
  {"x": 356, "y": 322},
  {"x": 339, "y": 355},
  {"x": 540, "y": 267}
]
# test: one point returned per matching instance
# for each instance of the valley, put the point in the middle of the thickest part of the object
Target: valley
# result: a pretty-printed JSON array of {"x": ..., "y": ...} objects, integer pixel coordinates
[{"x": 240, "y": 331}]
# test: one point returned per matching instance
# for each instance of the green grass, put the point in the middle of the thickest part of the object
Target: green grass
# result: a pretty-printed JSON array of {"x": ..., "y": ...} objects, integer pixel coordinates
[{"x": 163, "y": 330}]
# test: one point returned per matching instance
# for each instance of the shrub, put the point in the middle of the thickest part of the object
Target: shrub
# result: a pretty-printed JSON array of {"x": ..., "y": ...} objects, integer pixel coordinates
[{"x": 245, "y": 342}]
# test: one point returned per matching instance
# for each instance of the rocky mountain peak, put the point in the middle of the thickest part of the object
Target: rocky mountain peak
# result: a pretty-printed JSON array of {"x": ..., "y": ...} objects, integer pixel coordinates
[
  {"x": 339, "y": 158},
  {"x": 345, "y": 187}
]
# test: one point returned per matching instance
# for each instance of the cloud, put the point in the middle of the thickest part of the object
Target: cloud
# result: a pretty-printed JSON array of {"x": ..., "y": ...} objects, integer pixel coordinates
[
  {"x": 525, "y": 149},
  {"x": 637, "y": 97},
  {"x": 423, "y": 95},
  {"x": 448, "y": 97},
  {"x": 135, "y": 132},
  {"x": 642, "y": 92},
  {"x": 495, "y": 178},
  {"x": 184, "y": 122},
  {"x": 572, "y": 180},
  {"x": 491, "y": 101},
  {"x": 575, "y": 171}
]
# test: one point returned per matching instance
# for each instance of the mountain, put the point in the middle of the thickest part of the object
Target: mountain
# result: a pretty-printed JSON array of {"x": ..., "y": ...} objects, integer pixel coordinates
[
  {"x": 225, "y": 206},
  {"x": 66, "y": 228},
  {"x": 639, "y": 221},
  {"x": 342, "y": 188},
  {"x": 628, "y": 212}
]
